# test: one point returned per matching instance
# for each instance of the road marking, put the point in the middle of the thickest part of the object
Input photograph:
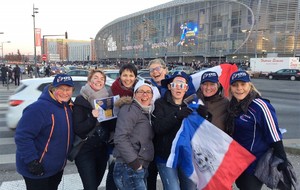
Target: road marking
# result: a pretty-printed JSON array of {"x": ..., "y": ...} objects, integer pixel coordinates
[
  {"x": 6, "y": 141},
  {"x": 8, "y": 159}
]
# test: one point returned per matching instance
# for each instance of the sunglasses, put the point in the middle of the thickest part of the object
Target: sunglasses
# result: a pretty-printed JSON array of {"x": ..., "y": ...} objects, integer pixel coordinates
[{"x": 178, "y": 85}]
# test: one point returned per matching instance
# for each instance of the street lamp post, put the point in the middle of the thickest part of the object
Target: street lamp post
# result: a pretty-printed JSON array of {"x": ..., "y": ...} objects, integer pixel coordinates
[
  {"x": 2, "y": 47},
  {"x": 34, "y": 11}
]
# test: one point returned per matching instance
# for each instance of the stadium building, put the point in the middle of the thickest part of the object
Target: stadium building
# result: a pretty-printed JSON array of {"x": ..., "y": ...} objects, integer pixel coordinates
[{"x": 203, "y": 30}]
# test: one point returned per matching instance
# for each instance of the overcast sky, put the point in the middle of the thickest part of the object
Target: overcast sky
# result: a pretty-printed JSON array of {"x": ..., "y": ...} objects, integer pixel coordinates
[{"x": 81, "y": 19}]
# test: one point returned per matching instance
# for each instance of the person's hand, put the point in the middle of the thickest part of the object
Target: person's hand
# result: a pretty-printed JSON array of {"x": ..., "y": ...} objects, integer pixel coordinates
[
  {"x": 35, "y": 168},
  {"x": 183, "y": 113},
  {"x": 282, "y": 166},
  {"x": 202, "y": 111},
  {"x": 95, "y": 113}
]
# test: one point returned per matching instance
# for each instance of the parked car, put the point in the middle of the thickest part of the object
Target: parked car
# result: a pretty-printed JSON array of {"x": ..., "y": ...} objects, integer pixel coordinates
[
  {"x": 29, "y": 91},
  {"x": 291, "y": 74},
  {"x": 187, "y": 69},
  {"x": 78, "y": 72},
  {"x": 145, "y": 74}
]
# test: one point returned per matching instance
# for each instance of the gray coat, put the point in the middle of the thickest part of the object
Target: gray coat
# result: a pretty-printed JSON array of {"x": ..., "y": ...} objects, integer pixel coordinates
[{"x": 133, "y": 136}]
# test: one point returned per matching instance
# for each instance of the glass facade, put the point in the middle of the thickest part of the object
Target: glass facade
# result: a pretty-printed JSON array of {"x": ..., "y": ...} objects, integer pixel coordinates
[{"x": 204, "y": 30}]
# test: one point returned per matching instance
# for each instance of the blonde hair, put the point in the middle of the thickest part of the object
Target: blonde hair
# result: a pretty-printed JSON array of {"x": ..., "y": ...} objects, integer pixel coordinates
[{"x": 252, "y": 88}]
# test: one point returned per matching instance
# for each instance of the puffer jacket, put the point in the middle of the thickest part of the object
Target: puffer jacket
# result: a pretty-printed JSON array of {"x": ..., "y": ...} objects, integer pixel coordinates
[
  {"x": 44, "y": 133},
  {"x": 133, "y": 135}
]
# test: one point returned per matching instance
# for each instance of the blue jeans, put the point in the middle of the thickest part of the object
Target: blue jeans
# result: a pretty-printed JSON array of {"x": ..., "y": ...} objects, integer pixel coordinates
[
  {"x": 174, "y": 178},
  {"x": 127, "y": 179}
]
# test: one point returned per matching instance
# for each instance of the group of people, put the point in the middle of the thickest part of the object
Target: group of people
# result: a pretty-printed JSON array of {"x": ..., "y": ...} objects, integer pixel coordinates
[
  {"x": 136, "y": 145},
  {"x": 9, "y": 74}
]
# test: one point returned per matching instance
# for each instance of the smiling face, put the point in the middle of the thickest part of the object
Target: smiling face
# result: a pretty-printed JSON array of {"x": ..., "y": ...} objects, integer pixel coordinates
[
  {"x": 63, "y": 93},
  {"x": 128, "y": 78},
  {"x": 240, "y": 89},
  {"x": 209, "y": 88},
  {"x": 178, "y": 89},
  {"x": 97, "y": 81},
  {"x": 157, "y": 72},
  {"x": 144, "y": 95}
]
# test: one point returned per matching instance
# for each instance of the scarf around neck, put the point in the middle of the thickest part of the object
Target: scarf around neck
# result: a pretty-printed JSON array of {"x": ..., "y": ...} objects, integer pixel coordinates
[
  {"x": 118, "y": 88},
  {"x": 235, "y": 108},
  {"x": 90, "y": 95}
]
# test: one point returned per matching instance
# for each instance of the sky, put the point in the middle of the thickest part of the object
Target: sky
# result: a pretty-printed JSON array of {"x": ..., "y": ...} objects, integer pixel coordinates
[{"x": 81, "y": 19}]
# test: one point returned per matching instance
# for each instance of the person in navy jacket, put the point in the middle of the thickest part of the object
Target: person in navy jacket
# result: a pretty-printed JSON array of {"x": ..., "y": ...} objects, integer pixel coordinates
[
  {"x": 44, "y": 136},
  {"x": 252, "y": 122}
]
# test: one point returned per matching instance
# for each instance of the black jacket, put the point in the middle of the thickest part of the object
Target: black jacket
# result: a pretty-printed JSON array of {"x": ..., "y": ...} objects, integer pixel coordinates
[{"x": 165, "y": 124}]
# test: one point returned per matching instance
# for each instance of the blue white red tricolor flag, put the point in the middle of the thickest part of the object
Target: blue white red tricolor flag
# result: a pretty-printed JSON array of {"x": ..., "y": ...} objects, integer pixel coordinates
[
  {"x": 207, "y": 155},
  {"x": 224, "y": 71}
]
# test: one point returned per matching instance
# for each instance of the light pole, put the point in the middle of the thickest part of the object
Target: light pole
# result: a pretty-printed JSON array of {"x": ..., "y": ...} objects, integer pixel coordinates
[
  {"x": 2, "y": 50},
  {"x": 34, "y": 11}
]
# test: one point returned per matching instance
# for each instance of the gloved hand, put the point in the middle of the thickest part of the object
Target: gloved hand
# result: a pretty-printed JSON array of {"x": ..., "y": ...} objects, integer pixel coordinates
[
  {"x": 280, "y": 153},
  {"x": 35, "y": 168},
  {"x": 202, "y": 111},
  {"x": 183, "y": 113}
]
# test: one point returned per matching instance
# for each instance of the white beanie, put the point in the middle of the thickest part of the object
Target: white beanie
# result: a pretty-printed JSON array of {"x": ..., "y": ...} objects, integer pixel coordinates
[{"x": 154, "y": 89}]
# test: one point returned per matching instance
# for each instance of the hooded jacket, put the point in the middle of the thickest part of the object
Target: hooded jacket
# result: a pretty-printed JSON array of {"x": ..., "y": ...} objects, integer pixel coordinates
[
  {"x": 133, "y": 135},
  {"x": 44, "y": 133}
]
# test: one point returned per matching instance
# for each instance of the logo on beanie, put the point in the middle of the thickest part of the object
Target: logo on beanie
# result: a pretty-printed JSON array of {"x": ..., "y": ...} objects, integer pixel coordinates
[{"x": 205, "y": 75}]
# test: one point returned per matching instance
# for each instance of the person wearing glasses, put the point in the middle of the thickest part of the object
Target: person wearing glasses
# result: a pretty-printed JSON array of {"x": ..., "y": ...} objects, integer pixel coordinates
[
  {"x": 168, "y": 114},
  {"x": 159, "y": 71},
  {"x": 134, "y": 149},
  {"x": 44, "y": 136}
]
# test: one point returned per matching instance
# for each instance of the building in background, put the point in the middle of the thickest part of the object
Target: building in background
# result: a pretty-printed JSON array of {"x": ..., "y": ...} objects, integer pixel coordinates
[
  {"x": 65, "y": 50},
  {"x": 204, "y": 30}
]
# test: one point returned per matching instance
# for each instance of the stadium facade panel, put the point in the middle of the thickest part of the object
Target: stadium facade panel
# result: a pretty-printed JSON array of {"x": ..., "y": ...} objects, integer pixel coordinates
[{"x": 195, "y": 30}]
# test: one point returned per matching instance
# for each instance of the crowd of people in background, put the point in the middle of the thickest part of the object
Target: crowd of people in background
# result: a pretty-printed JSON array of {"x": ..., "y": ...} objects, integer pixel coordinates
[{"x": 135, "y": 145}]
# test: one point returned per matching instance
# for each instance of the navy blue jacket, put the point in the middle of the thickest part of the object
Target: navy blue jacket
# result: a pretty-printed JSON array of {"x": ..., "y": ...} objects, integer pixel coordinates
[{"x": 45, "y": 133}]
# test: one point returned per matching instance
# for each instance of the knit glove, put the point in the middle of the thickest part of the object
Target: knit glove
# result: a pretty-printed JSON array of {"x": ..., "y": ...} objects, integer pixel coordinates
[
  {"x": 280, "y": 153},
  {"x": 36, "y": 168},
  {"x": 183, "y": 113},
  {"x": 202, "y": 111}
]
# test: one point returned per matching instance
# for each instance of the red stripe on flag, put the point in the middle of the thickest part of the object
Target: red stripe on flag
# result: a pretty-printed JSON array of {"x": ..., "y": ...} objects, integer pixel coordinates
[
  {"x": 236, "y": 160},
  {"x": 226, "y": 71}
]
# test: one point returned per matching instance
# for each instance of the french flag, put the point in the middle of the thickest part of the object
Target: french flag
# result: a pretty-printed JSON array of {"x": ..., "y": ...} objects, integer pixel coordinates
[
  {"x": 207, "y": 155},
  {"x": 224, "y": 72}
]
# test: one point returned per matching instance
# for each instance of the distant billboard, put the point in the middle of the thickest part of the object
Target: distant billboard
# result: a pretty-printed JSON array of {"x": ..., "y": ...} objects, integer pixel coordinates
[{"x": 188, "y": 32}]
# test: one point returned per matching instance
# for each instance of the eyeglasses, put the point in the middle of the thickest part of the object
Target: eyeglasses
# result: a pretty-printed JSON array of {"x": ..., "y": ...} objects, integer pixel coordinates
[
  {"x": 178, "y": 85},
  {"x": 158, "y": 69},
  {"x": 141, "y": 92}
]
